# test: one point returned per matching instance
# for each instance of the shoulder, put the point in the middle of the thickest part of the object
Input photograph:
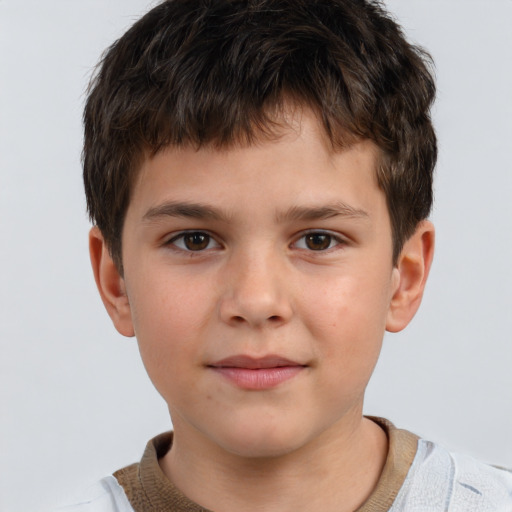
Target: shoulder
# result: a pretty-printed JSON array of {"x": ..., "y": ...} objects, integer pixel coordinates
[
  {"x": 440, "y": 480},
  {"x": 105, "y": 496},
  {"x": 490, "y": 486}
]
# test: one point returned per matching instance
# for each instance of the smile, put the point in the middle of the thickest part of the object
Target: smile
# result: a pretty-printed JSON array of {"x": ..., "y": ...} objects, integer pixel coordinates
[{"x": 257, "y": 373}]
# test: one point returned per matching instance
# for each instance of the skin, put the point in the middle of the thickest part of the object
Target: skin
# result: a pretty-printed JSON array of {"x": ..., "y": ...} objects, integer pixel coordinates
[{"x": 260, "y": 284}]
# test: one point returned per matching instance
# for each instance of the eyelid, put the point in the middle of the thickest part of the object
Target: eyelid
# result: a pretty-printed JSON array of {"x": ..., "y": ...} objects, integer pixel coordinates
[
  {"x": 336, "y": 237},
  {"x": 171, "y": 242}
]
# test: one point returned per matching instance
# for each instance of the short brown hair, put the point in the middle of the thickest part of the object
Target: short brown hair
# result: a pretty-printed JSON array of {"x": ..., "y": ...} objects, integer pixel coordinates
[{"x": 216, "y": 72}]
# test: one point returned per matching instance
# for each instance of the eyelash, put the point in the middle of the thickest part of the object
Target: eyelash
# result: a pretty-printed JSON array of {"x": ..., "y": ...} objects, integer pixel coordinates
[
  {"x": 178, "y": 242},
  {"x": 334, "y": 240},
  {"x": 182, "y": 236}
]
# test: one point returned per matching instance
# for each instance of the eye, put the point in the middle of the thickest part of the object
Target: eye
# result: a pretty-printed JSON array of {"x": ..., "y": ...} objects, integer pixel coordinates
[
  {"x": 193, "y": 241},
  {"x": 318, "y": 241}
]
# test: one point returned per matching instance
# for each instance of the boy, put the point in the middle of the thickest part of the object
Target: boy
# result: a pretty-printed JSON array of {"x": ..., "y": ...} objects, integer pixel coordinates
[{"x": 260, "y": 176}]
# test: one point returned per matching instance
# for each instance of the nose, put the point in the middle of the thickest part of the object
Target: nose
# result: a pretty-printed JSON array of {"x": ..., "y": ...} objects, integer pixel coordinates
[{"x": 255, "y": 292}]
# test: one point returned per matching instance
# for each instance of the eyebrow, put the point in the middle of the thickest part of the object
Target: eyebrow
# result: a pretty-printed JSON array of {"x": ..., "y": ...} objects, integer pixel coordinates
[
  {"x": 296, "y": 213},
  {"x": 305, "y": 213},
  {"x": 184, "y": 209}
]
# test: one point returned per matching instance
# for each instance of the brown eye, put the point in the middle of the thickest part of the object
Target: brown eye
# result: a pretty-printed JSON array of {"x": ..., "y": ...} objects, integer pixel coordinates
[
  {"x": 193, "y": 241},
  {"x": 196, "y": 241},
  {"x": 318, "y": 241}
]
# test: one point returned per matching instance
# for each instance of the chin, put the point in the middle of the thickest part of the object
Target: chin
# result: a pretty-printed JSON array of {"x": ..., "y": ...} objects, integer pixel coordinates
[{"x": 260, "y": 441}]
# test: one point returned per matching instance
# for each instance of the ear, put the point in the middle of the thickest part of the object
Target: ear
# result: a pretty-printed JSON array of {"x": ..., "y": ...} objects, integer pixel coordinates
[
  {"x": 412, "y": 271},
  {"x": 110, "y": 283}
]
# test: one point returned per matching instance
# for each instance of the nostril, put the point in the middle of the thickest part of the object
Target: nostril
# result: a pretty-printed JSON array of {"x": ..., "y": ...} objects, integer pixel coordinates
[{"x": 240, "y": 319}]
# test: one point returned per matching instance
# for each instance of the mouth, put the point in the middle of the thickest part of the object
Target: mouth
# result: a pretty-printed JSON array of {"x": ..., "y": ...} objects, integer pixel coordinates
[{"x": 255, "y": 374}]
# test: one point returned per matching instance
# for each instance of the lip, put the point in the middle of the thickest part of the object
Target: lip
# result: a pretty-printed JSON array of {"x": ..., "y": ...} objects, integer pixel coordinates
[{"x": 257, "y": 373}]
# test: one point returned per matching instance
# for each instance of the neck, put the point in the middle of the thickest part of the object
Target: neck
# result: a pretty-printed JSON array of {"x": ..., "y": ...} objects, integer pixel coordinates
[{"x": 337, "y": 471}]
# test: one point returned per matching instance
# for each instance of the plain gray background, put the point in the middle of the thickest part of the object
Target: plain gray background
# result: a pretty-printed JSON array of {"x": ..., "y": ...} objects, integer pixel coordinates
[{"x": 75, "y": 401}]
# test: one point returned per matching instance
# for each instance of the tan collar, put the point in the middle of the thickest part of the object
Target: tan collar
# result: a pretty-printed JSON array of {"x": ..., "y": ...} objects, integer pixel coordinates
[
  {"x": 401, "y": 452},
  {"x": 149, "y": 490}
]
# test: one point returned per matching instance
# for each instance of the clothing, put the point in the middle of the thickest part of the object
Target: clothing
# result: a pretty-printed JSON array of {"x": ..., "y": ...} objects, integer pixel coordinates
[{"x": 418, "y": 476}]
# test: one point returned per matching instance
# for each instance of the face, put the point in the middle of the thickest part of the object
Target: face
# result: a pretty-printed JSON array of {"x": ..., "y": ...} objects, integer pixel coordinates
[{"x": 259, "y": 281}]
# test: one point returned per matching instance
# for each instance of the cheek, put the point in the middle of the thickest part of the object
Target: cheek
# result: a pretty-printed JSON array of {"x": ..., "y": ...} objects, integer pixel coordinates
[
  {"x": 168, "y": 322},
  {"x": 166, "y": 307},
  {"x": 347, "y": 318}
]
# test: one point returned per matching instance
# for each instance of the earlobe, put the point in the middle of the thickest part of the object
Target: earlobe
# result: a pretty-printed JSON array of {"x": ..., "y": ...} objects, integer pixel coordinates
[
  {"x": 110, "y": 283},
  {"x": 412, "y": 270}
]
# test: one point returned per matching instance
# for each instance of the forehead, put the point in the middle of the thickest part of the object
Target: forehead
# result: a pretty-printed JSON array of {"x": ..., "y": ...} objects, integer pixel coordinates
[
  {"x": 298, "y": 168},
  {"x": 293, "y": 127},
  {"x": 287, "y": 119}
]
